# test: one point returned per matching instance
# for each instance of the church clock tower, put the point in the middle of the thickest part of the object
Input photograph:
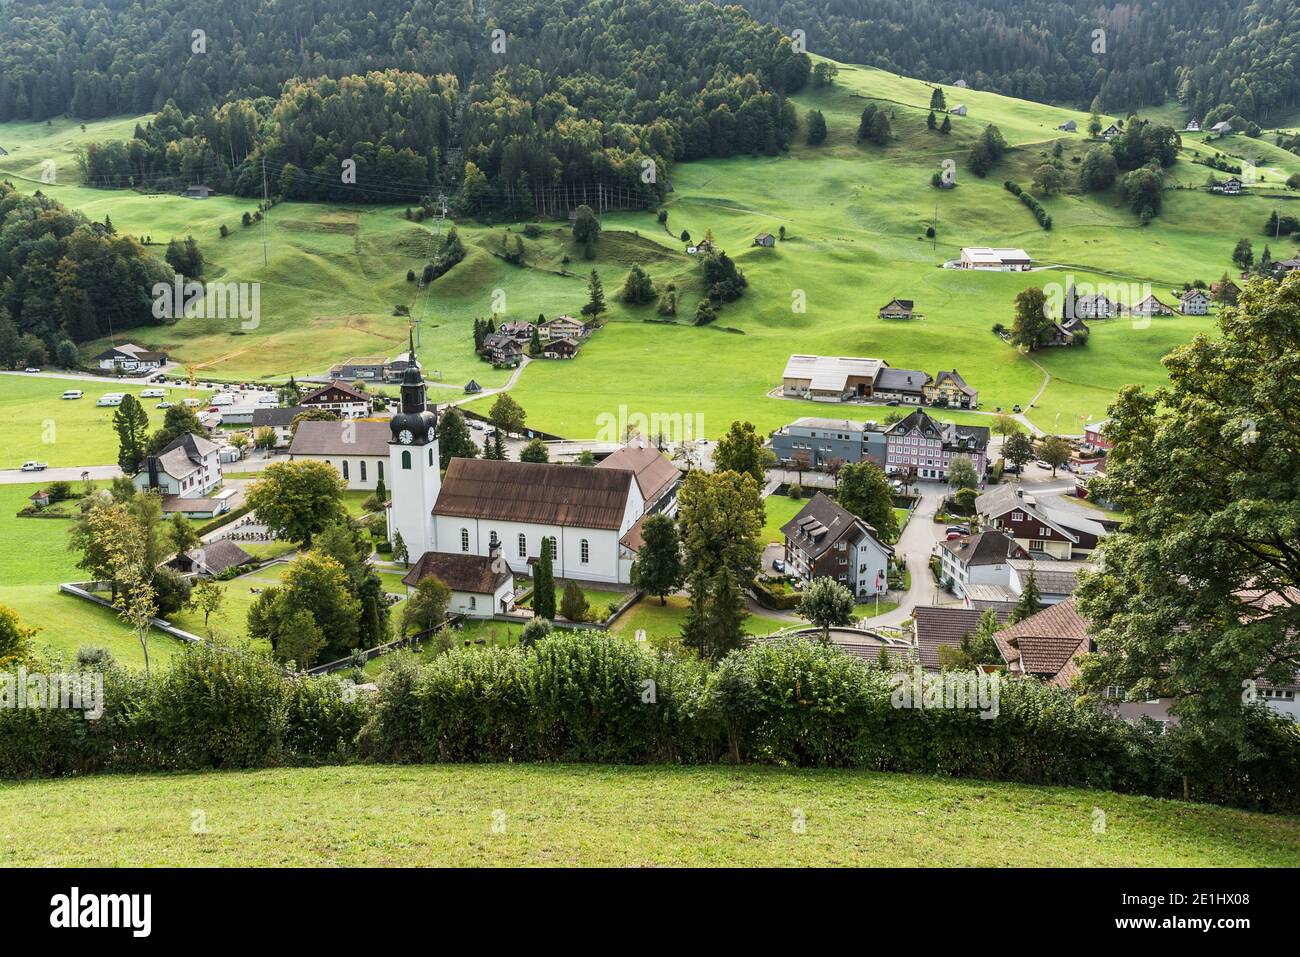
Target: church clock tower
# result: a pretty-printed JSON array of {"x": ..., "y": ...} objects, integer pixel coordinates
[{"x": 413, "y": 465}]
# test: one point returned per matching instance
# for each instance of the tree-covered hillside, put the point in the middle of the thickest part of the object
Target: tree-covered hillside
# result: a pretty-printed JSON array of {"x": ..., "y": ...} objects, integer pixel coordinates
[{"x": 1205, "y": 53}]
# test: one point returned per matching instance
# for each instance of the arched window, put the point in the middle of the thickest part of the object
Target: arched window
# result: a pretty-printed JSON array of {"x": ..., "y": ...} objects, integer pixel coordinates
[
  {"x": 464, "y": 539},
  {"x": 345, "y": 470},
  {"x": 585, "y": 551},
  {"x": 406, "y": 458},
  {"x": 523, "y": 545},
  {"x": 363, "y": 470}
]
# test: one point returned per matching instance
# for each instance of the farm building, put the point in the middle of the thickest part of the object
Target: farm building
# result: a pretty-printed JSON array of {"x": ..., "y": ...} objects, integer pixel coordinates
[
  {"x": 1194, "y": 302},
  {"x": 896, "y": 309},
  {"x": 764, "y": 239},
  {"x": 958, "y": 110},
  {"x": 1150, "y": 306},
  {"x": 902, "y": 385},
  {"x": 994, "y": 257},
  {"x": 831, "y": 378},
  {"x": 953, "y": 390},
  {"x": 1069, "y": 126}
]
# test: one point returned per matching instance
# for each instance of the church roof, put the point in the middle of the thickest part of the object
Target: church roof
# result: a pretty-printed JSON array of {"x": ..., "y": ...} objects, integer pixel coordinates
[
  {"x": 533, "y": 492},
  {"x": 655, "y": 475}
]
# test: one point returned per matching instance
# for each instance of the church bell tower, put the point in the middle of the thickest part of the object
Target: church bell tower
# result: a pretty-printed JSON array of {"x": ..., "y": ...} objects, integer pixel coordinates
[{"x": 413, "y": 464}]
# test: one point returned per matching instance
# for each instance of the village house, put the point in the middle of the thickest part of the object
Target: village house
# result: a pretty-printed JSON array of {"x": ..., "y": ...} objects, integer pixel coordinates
[
  {"x": 1098, "y": 306},
  {"x": 979, "y": 559},
  {"x": 1041, "y": 529},
  {"x": 1055, "y": 580},
  {"x": 1150, "y": 306},
  {"x": 277, "y": 418},
  {"x": 1094, "y": 436},
  {"x": 1069, "y": 126},
  {"x": 560, "y": 349},
  {"x": 518, "y": 329},
  {"x": 563, "y": 327},
  {"x": 129, "y": 357},
  {"x": 907, "y": 386},
  {"x": 502, "y": 350},
  {"x": 369, "y": 368},
  {"x": 950, "y": 389},
  {"x": 997, "y": 258},
  {"x": 1110, "y": 132},
  {"x": 1285, "y": 266},
  {"x": 357, "y": 450},
  {"x": 814, "y": 443},
  {"x": 211, "y": 559},
  {"x": 827, "y": 541},
  {"x": 183, "y": 473},
  {"x": 1231, "y": 187},
  {"x": 920, "y": 446},
  {"x": 830, "y": 378},
  {"x": 338, "y": 397},
  {"x": 1225, "y": 291},
  {"x": 1194, "y": 302},
  {"x": 1193, "y": 126},
  {"x": 765, "y": 239},
  {"x": 896, "y": 309},
  {"x": 943, "y": 626},
  {"x": 478, "y": 589},
  {"x": 1222, "y": 128},
  {"x": 1063, "y": 334}
]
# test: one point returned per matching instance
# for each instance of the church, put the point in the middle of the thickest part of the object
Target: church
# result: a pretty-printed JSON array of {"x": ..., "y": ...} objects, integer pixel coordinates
[{"x": 590, "y": 515}]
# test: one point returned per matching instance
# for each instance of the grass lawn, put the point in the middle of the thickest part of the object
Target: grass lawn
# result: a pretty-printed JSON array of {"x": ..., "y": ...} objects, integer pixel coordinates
[
  {"x": 567, "y": 815},
  {"x": 666, "y": 620},
  {"x": 33, "y": 561},
  {"x": 779, "y": 509},
  {"x": 598, "y": 599},
  {"x": 230, "y": 622}
]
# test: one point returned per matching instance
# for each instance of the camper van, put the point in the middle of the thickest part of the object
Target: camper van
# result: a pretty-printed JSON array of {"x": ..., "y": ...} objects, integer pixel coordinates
[
  {"x": 192, "y": 402},
  {"x": 153, "y": 393},
  {"x": 73, "y": 394},
  {"x": 111, "y": 398},
  {"x": 223, "y": 398}
]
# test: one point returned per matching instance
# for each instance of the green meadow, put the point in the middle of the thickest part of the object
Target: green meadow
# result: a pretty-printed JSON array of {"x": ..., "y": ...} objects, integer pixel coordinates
[
  {"x": 855, "y": 218},
  {"x": 592, "y": 815}
]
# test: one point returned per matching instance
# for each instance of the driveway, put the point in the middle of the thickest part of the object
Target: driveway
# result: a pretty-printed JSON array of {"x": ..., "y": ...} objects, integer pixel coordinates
[{"x": 916, "y": 545}]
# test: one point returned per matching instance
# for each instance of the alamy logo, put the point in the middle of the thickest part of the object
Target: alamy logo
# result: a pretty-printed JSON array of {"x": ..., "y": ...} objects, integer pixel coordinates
[
  {"x": 73, "y": 910},
  {"x": 213, "y": 300}
]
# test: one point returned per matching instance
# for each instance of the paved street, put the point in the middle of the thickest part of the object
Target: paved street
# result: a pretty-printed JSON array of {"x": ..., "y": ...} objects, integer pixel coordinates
[{"x": 916, "y": 544}]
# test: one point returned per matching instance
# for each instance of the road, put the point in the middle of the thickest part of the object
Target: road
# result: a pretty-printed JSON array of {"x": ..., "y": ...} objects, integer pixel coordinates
[
  {"x": 63, "y": 474},
  {"x": 915, "y": 545}
]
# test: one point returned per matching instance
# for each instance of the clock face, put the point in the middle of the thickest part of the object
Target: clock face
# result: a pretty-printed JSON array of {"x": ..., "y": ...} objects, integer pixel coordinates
[
  {"x": 430, "y": 434},
  {"x": 406, "y": 437}
]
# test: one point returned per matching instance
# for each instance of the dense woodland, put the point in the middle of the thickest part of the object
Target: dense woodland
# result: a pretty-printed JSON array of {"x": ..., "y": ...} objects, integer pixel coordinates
[
  {"x": 1203, "y": 52},
  {"x": 64, "y": 278},
  {"x": 577, "y": 95}
]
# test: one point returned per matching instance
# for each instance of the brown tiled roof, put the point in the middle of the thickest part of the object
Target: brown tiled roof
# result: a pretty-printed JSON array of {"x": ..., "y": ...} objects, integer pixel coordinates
[
  {"x": 1045, "y": 643},
  {"x": 540, "y": 493},
  {"x": 218, "y": 556},
  {"x": 938, "y": 626},
  {"x": 348, "y": 437},
  {"x": 994, "y": 547},
  {"x": 352, "y": 393},
  {"x": 634, "y": 537},
  {"x": 459, "y": 571},
  {"x": 654, "y": 473}
]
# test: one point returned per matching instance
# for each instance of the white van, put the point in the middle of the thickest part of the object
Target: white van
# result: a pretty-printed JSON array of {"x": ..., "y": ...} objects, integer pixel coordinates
[
  {"x": 153, "y": 393},
  {"x": 73, "y": 394},
  {"x": 193, "y": 403},
  {"x": 223, "y": 398},
  {"x": 111, "y": 398}
]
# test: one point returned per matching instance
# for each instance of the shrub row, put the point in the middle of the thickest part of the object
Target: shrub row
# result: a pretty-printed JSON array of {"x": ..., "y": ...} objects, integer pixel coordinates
[
  {"x": 589, "y": 697},
  {"x": 1035, "y": 207}
]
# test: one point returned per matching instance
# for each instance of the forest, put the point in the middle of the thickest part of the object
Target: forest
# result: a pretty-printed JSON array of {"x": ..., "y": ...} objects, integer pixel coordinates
[
  {"x": 1204, "y": 53},
  {"x": 513, "y": 105}
]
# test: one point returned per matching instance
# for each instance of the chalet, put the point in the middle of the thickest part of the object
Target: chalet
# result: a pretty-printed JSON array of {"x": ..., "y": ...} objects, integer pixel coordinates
[
  {"x": 1098, "y": 306},
  {"x": 902, "y": 385},
  {"x": 1225, "y": 291},
  {"x": 1194, "y": 302},
  {"x": 765, "y": 239},
  {"x": 990, "y": 257},
  {"x": 129, "y": 357},
  {"x": 1286, "y": 266},
  {"x": 830, "y": 378},
  {"x": 958, "y": 110},
  {"x": 952, "y": 389},
  {"x": 1110, "y": 132},
  {"x": 344, "y": 400},
  {"x": 563, "y": 327},
  {"x": 183, "y": 473},
  {"x": 1069, "y": 126},
  {"x": 502, "y": 350},
  {"x": 1063, "y": 333},
  {"x": 1222, "y": 128},
  {"x": 472, "y": 388},
  {"x": 813, "y": 443},
  {"x": 518, "y": 329},
  {"x": 896, "y": 309},
  {"x": 1150, "y": 306},
  {"x": 920, "y": 446},
  {"x": 278, "y": 418},
  {"x": 1230, "y": 187},
  {"x": 560, "y": 349},
  {"x": 943, "y": 626},
  {"x": 357, "y": 450},
  {"x": 1044, "y": 530},
  {"x": 1193, "y": 126},
  {"x": 1046, "y": 645},
  {"x": 198, "y": 192},
  {"x": 481, "y": 585},
  {"x": 827, "y": 541},
  {"x": 980, "y": 559},
  {"x": 1055, "y": 580},
  {"x": 211, "y": 559}
]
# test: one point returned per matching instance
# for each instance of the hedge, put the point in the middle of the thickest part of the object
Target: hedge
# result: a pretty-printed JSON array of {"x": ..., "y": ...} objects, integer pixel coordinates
[
  {"x": 584, "y": 696},
  {"x": 224, "y": 519}
]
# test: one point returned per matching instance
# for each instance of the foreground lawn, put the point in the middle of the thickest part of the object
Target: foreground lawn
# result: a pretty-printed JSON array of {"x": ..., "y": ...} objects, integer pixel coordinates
[{"x": 613, "y": 816}]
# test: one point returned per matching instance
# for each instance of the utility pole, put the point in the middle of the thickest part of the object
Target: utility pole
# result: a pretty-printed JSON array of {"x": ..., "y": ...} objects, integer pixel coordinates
[{"x": 266, "y": 211}]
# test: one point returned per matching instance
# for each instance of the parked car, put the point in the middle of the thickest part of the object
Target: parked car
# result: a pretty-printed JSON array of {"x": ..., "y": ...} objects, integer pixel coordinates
[
  {"x": 951, "y": 535},
  {"x": 72, "y": 394},
  {"x": 163, "y": 405},
  {"x": 959, "y": 529},
  {"x": 33, "y": 467},
  {"x": 1015, "y": 408},
  {"x": 160, "y": 377},
  {"x": 778, "y": 565},
  {"x": 31, "y": 369}
]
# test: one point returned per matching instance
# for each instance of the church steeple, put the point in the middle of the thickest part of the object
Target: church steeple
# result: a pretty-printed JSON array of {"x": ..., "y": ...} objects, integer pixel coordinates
[{"x": 414, "y": 424}]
